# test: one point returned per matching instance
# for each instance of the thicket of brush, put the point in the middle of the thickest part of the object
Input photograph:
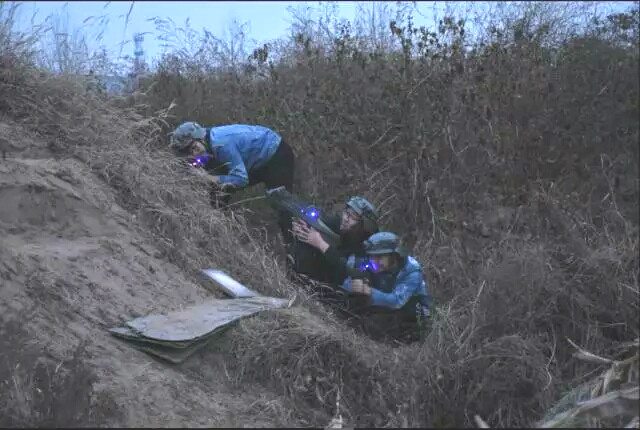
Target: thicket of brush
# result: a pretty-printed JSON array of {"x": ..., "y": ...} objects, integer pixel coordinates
[{"x": 508, "y": 161}]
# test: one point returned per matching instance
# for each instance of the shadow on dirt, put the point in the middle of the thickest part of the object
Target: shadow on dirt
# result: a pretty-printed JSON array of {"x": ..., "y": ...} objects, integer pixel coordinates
[{"x": 37, "y": 392}]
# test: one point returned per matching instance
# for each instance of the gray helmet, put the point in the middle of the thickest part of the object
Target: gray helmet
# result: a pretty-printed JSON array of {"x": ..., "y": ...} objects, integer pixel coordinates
[
  {"x": 383, "y": 243},
  {"x": 366, "y": 211},
  {"x": 182, "y": 136}
]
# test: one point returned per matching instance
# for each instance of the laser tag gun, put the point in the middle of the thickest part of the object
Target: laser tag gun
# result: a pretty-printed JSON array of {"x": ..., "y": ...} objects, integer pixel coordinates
[
  {"x": 283, "y": 200},
  {"x": 201, "y": 160},
  {"x": 368, "y": 266},
  {"x": 362, "y": 269}
]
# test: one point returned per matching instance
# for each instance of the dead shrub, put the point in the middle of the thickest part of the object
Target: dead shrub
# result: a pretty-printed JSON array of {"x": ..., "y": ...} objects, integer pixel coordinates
[{"x": 441, "y": 139}]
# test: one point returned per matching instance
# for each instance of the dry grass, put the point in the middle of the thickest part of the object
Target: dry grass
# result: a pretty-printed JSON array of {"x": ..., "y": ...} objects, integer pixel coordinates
[
  {"x": 610, "y": 399},
  {"x": 613, "y": 397},
  {"x": 520, "y": 252},
  {"x": 162, "y": 194}
]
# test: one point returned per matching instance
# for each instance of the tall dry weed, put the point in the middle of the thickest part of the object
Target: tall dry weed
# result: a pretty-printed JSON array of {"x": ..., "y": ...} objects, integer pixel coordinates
[{"x": 506, "y": 161}]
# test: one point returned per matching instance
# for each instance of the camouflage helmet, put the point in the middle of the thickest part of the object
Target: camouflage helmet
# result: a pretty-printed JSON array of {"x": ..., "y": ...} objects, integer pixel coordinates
[
  {"x": 366, "y": 211},
  {"x": 383, "y": 243},
  {"x": 181, "y": 137}
]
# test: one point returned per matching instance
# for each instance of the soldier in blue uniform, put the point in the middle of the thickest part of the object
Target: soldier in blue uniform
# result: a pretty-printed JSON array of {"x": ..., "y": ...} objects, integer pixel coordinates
[
  {"x": 394, "y": 297},
  {"x": 243, "y": 155}
]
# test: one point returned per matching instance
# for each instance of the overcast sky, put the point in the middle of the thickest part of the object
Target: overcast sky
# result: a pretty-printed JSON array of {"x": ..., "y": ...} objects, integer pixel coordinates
[{"x": 266, "y": 20}]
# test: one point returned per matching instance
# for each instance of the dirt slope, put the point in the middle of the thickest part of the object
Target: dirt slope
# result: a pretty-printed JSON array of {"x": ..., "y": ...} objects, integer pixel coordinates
[{"x": 73, "y": 265}]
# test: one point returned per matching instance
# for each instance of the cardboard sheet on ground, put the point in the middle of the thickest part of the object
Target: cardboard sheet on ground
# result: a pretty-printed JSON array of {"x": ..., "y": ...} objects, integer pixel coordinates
[
  {"x": 177, "y": 335},
  {"x": 165, "y": 351},
  {"x": 197, "y": 321}
]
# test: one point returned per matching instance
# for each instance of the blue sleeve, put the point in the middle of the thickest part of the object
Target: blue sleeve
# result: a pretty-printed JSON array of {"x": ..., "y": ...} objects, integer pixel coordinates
[
  {"x": 238, "y": 175},
  {"x": 404, "y": 288},
  {"x": 346, "y": 285}
]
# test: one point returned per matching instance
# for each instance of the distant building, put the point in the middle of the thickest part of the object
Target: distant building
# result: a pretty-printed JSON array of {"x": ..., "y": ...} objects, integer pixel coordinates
[{"x": 112, "y": 85}]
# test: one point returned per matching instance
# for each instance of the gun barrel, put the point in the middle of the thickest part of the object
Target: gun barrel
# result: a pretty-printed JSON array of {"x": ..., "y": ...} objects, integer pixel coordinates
[
  {"x": 355, "y": 273},
  {"x": 282, "y": 199}
]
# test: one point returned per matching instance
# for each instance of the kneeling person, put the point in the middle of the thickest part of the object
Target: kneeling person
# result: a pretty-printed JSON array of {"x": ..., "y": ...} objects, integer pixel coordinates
[
  {"x": 317, "y": 259},
  {"x": 397, "y": 286}
]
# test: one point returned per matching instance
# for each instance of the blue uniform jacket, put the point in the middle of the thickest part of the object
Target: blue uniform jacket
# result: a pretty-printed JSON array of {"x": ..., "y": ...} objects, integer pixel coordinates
[
  {"x": 394, "y": 289},
  {"x": 242, "y": 148}
]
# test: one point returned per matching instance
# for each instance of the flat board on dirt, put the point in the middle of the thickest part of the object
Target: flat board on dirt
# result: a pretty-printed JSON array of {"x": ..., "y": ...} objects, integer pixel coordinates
[
  {"x": 177, "y": 335},
  {"x": 198, "y": 321},
  {"x": 168, "y": 351},
  {"x": 130, "y": 334},
  {"x": 226, "y": 283}
]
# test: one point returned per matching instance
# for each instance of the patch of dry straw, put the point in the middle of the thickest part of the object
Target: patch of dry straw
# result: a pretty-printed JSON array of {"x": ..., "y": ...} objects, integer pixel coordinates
[
  {"x": 167, "y": 200},
  {"x": 612, "y": 399}
]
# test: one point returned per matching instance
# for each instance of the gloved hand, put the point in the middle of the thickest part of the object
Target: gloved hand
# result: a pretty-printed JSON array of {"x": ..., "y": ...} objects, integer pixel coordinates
[
  {"x": 360, "y": 286},
  {"x": 307, "y": 234}
]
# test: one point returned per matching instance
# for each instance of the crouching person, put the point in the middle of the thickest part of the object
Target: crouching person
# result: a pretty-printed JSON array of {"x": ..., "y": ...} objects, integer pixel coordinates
[
  {"x": 393, "y": 299},
  {"x": 314, "y": 257},
  {"x": 245, "y": 154}
]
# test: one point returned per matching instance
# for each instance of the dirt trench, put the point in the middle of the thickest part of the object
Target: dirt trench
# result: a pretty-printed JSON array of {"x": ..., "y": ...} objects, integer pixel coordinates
[{"x": 72, "y": 265}]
